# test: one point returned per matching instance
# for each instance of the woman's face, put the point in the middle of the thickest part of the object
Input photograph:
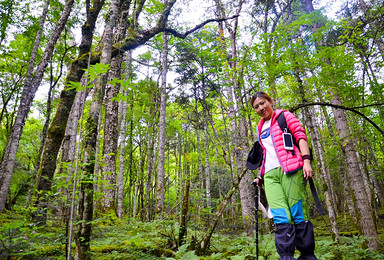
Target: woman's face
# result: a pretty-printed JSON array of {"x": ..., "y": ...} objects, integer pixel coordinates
[{"x": 263, "y": 107}]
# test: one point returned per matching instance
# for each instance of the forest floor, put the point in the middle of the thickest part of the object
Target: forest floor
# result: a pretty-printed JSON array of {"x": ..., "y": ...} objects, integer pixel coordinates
[{"x": 133, "y": 239}]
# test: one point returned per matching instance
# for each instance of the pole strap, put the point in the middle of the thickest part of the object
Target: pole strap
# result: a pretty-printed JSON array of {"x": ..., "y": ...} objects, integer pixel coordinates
[{"x": 319, "y": 207}]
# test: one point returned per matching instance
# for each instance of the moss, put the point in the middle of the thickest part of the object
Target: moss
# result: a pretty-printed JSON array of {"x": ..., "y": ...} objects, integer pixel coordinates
[
  {"x": 131, "y": 247},
  {"x": 230, "y": 253}
]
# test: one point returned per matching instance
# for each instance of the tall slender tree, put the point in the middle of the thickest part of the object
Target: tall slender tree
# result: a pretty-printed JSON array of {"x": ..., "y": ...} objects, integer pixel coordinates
[
  {"x": 239, "y": 130},
  {"x": 111, "y": 107},
  {"x": 162, "y": 125}
]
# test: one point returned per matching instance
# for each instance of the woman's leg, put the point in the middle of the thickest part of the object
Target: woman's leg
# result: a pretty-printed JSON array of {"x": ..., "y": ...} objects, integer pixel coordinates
[
  {"x": 278, "y": 203},
  {"x": 295, "y": 188}
]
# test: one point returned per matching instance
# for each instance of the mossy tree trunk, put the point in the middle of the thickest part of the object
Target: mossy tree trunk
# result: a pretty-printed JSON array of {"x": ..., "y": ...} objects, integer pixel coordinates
[
  {"x": 83, "y": 237},
  {"x": 57, "y": 129}
]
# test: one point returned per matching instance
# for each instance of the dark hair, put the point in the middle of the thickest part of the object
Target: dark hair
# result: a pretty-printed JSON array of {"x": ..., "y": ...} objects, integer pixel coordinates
[{"x": 260, "y": 94}]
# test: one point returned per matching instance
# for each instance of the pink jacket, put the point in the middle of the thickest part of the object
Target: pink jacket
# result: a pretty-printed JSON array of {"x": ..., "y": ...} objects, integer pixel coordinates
[{"x": 288, "y": 162}]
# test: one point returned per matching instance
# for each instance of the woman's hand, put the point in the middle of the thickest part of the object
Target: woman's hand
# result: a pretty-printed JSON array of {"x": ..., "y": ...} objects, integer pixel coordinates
[
  {"x": 307, "y": 169},
  {"x": 258, "y": 181}
]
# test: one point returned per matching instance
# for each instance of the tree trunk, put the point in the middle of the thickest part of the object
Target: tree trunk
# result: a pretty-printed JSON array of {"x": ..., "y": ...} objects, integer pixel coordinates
[
  {"x": 135, "y": 198},
  {"x": 378, "y": 189},
  {"x": 131, "y": 168},
  {"x": 83, "y": 237},
  {"x": 111, "y": 111},
  {"x": 150, "y": 167},
  {"x": 57, "y": 129},
  {"x": 364, "y": 210},
  {"x": 198, "y": 146},
  {"x": 42, "y": 142},
  {"x": 69, "y": 146},
  {"x": 207, "y": 167},
  {"x": 325, "y": 179},
  {"x": 162, "y": 133},
  {"x": 333, "y": 137},
  {"x": 85, "y": 213},
  {"x": 239, "y": 132},
  {"x": 122, "y": 136},
  {"x": 184, "y": 210},
  {"x": 31, "y": 85},
  {"x": 120, "y": 181},
  {"x": 309, "y": 120},
  {"x": 69, "y": 155},
  {"x": 347, "y": 196},
  {"x": 151, "y": 147}
]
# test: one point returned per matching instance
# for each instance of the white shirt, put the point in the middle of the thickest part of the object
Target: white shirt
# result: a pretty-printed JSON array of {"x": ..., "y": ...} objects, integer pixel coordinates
[{"x": 271, "y": 160}]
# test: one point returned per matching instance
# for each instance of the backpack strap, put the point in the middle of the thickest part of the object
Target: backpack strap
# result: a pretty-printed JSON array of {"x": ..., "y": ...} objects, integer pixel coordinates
[{"x": 283, "y": 126}]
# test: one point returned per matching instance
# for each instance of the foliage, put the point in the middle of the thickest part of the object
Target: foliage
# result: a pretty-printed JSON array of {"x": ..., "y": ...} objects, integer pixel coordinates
[
  {"x": 132, "y": 239},
  {"x": 296, "y": 57}
]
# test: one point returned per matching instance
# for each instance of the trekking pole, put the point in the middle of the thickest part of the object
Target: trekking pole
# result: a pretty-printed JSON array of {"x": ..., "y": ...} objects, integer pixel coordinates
[{"x": 257, "y": 219}]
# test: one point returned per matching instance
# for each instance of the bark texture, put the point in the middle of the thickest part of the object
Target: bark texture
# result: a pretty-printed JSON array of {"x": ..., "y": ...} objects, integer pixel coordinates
[
  {"x": 162, "y": 133},
  {"x": 360, "y": 195},
  {"x": 122, "y": 135},
  {"x": 111, "y": 109}
]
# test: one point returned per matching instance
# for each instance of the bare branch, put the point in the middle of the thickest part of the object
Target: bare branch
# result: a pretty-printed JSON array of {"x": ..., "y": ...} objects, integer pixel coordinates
[
  {"x": 341, "y": 107},
  {"x": 370, "y": 105},
  {"x": 184, "y": 35}
]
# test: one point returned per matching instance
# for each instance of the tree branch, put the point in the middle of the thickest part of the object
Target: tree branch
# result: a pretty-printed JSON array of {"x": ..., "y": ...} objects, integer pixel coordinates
[
  {"x": 184, "y": 35},
  {"x": 139, "y": 38},
  {"x": 370, "y": 105},
  {"x": 341, "y": 107}
]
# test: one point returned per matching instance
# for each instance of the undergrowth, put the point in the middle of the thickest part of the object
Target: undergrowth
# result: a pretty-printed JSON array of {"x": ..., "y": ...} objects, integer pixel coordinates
[{"x": 132, "y": 239}]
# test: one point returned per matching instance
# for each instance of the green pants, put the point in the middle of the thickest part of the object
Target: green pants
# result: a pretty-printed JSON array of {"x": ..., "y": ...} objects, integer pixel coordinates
[{"x": 286, "y": 196}]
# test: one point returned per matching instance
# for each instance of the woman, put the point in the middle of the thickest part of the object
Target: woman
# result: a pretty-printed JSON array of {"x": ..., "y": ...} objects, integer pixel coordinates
[{"x": 284, "y": 173}]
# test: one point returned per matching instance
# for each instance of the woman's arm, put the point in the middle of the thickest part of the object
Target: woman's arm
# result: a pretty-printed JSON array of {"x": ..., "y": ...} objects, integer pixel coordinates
[{"x": 307, "y": 168}]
